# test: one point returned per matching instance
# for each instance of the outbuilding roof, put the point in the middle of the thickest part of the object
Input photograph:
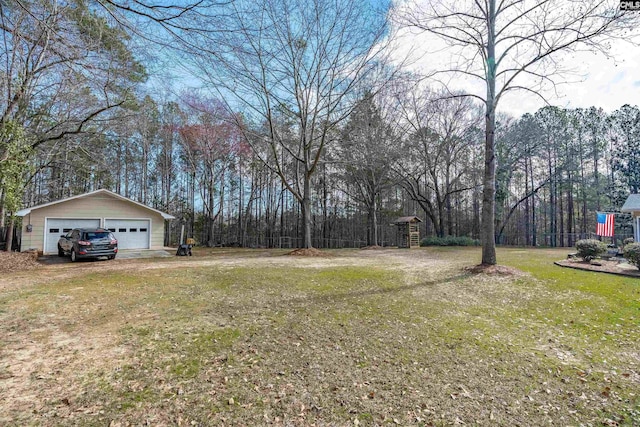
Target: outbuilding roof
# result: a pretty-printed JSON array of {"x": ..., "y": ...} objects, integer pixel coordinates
[
  {"x": 407, "y": 219},
  {"x": 27, "y": 211},
  {"x": 632, "y": 204}
]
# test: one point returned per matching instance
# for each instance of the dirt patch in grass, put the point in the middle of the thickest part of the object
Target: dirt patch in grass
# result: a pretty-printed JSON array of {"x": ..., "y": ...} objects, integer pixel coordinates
[
  {"x": 494, "y": 270},
  {"x": 18, "y": 261},
  {"x": 45, "y": 374}
]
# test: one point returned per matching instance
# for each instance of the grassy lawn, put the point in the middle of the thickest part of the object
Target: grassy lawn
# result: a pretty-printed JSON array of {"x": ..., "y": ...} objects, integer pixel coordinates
[{"x": 385, "y": 337}]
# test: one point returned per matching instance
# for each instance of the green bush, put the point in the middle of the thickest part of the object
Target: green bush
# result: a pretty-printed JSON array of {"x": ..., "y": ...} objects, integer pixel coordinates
[
  {"x": 589, "y": 249},
  {"x": 627, "y": 241},
  {"x": 449, "y": 241},
  {"x": 431, "y": 241},
  {"x": 632, "y": 253}
]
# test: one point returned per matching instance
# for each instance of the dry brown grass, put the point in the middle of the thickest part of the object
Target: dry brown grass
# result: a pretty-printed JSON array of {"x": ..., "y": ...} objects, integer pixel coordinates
[{"x": 389, "y": 337}]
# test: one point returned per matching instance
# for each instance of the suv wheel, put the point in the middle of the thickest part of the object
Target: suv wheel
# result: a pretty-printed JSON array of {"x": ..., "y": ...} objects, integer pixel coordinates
[
  {"x": 73, "y": 255},
  {"x": 60, "y": 251}
]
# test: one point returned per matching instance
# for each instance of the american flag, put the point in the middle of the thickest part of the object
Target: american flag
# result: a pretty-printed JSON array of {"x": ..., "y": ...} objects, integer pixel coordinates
[{"x": 605, "y": 224}]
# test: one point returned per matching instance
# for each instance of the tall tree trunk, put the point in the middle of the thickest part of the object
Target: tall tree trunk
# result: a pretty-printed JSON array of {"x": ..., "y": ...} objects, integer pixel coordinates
[
  {"x": 211, "y": 229},
  {"x": 441, "y": 218},
  {"x": 284, "y": 204},
  {"x": 561, "y": 219},
  {"x": 447, "y": 203},
  {"x": 305, "y": 207},
  {"x": 570, "y": 213},
  {"x": 325, "y": 207},
  {"x": 534, "y": 230},
  {"x": 372, "y": 222},
  {"x": 488, "y": 230},
  {"x": 527, "y": 207},
  {"x": 596, "y": 158},
  {"x": 583, "y": 189},
  {"x": 145, "y": 173},
  {"x": 221, "y": 208},
  {"x": 192, "y": 203},
  {"x": 552, "y": 204},
  {"x": 12, "y": 222},
  {"x": 2, "y": 219},
  {"x": 376, "y": 239}
]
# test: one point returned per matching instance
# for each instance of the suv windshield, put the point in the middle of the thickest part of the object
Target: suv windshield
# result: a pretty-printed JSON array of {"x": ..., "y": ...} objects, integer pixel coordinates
[{"x": 96, "y": 235}]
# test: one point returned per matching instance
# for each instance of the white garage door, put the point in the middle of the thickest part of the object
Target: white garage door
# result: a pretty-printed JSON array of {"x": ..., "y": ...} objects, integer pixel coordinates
[
  {"x": 57, "y": 226},
  {"x": 131, "y": 233}
]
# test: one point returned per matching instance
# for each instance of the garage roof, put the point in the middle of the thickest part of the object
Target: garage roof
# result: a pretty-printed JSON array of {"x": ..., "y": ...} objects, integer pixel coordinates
[
  {"x": 632, "y": 203},
  {"x": 27, "y": 211}
]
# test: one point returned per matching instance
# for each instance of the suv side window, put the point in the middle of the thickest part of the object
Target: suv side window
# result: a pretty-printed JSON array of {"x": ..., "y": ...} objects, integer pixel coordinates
[{"x": 75, "y": 234}]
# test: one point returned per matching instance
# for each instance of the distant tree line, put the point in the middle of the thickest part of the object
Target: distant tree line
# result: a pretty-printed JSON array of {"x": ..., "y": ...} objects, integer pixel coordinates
[
  {"x": 556, "y": 168},
  {"x": 310, "y": 137}
]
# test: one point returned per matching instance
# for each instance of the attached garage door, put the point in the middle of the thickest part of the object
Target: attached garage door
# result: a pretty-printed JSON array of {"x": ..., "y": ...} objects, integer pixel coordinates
[
  {"x": 57, "y": 226},
  {"x": 131, "y": 233}
]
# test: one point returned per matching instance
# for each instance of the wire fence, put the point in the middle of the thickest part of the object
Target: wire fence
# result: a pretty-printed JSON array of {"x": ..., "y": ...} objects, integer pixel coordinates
[
  {"x": 560, "y": 240},
  {"x": 289, "y": 242},
  {"x": 295, "y": 242}
]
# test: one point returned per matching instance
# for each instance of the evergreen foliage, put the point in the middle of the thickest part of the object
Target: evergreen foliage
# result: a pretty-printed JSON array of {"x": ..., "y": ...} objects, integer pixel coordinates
[
  {"x": 449, "y": 241},
  {"x": 589, "y": 249},
  {"x": 15, "y": 151},
  {"x": 632, "y": 253}
]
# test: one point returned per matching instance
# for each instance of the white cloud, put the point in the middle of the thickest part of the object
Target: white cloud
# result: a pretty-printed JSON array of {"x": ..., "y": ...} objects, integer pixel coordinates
[
  {"x": 596, "y": 80},
  {"x": 608, "y": 83}
]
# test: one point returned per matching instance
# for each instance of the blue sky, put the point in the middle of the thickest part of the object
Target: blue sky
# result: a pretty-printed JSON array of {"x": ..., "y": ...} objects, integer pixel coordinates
[{"x": 606, "y": 82}]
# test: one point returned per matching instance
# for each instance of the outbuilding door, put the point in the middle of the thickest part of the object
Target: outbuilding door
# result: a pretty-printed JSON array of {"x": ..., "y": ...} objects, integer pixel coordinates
[
  {"x": 131, "y": 233},
  {"x": 54, "y": 227}
]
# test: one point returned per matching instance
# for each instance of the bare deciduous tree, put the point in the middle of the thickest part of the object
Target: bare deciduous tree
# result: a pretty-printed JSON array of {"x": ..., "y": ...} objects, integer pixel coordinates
[
  {"x": 293, "y": 67},
  {"x": 438, "y": 147},
  {"x": 63, "y": 69},
  {"x": 512, "y": 45}
]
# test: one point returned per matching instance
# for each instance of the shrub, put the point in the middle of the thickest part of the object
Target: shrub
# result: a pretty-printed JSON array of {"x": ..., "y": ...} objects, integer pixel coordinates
[
  {"x": 627, "y": 241},
  {"x": 449, "y": 241},
  {"x": 431, "y": 241},
  {"x": 632, "y": 253},
  {"x": 589, "y": 249}
]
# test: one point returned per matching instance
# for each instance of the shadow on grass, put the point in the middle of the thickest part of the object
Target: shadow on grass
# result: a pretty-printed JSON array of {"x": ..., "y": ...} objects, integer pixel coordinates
[{"x": 335, "y": 297}]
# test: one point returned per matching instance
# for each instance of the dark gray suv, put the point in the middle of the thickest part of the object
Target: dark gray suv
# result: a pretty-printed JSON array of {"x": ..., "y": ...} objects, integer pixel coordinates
[{"x": 88, "y": 243}]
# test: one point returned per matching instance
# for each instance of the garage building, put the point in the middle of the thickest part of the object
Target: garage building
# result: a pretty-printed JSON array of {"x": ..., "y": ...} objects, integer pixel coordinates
[
  {"x": 632, "y": 206},
  {"x": 135, "y": 225}
]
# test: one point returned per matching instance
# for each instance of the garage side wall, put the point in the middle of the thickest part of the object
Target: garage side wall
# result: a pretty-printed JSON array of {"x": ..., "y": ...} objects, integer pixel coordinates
[{"x": 96, "y": 206}]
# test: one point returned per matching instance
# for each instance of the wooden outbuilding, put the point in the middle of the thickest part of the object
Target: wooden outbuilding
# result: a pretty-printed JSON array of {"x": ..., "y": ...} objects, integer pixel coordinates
[{"x": 408, "y": 231}]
